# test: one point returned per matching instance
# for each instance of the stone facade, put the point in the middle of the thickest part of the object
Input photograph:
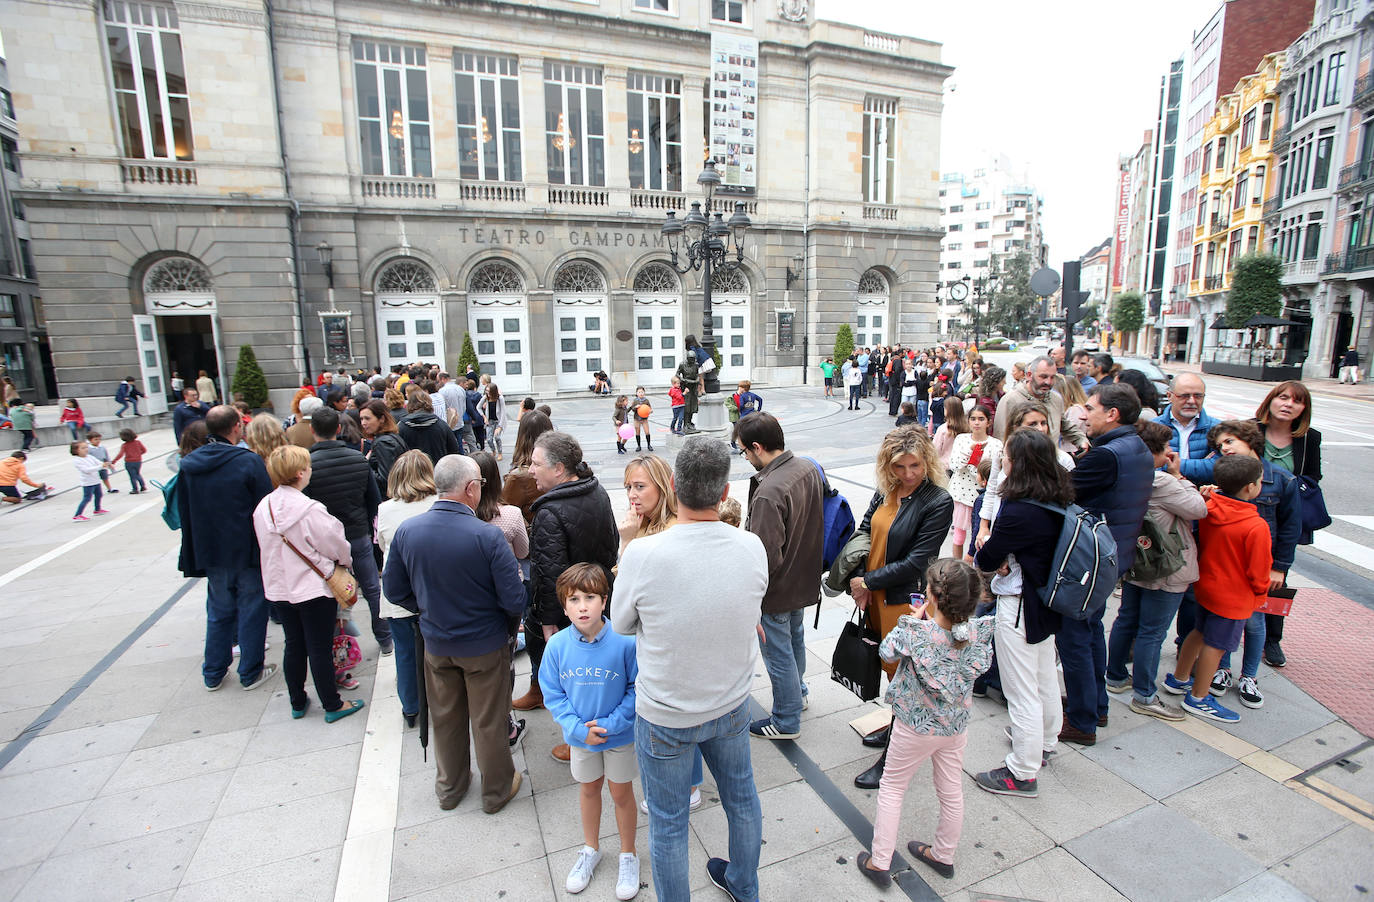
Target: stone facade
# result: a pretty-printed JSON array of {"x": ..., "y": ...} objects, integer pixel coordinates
[{"x": 276, "y": 161}]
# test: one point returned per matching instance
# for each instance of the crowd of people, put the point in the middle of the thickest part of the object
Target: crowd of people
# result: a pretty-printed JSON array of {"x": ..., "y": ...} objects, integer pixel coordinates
[{"x": 386, "y": 488}]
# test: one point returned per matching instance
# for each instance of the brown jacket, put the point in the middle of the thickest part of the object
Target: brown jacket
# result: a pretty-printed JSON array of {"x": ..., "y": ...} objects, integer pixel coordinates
[
  {"x": 519, "y": 489},
  {"x": 300, "y": 434},
  {"x": 1018, "y": 396},
  {"x": 786, "y": 513}
]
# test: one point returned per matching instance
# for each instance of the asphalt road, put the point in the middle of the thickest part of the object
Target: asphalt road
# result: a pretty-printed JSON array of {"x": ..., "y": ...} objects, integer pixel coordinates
[{"x": 1343, "y": 555}]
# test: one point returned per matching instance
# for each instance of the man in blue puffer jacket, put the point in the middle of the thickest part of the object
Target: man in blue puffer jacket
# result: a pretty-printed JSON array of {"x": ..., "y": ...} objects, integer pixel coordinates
[{"x": 1190, "y": 425}]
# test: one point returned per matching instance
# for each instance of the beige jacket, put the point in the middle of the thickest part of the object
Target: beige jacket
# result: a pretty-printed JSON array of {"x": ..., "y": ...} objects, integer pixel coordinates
[{"x": 1019, "y": 396}]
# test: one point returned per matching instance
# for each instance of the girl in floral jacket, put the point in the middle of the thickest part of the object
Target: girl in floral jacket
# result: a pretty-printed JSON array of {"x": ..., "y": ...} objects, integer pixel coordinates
[{"x": 940, "y": 651}]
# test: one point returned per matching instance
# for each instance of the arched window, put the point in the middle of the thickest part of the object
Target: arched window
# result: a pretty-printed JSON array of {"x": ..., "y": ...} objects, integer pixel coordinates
[
  {"x": 870, "y": 310},
  {"x": 578, "y": 278},
  {"x": 177, "y": 274},
  {"x": 406, "y": 277},
  {"x": 873, "y": 282},
  {"x": 729, "y": 280},
  {"x": 657, "y": 279},
  {"x": 496, "y": 277}
]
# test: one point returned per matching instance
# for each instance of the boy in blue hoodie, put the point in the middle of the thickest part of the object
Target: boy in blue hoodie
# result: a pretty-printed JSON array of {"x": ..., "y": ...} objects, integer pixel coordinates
[{"x": 588, "y": 680}]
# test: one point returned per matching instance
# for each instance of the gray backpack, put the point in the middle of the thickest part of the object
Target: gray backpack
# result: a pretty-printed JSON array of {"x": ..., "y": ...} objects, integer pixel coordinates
[
  {"x": 1084, "y": 571},
  {"x": 1157, "y": 553}
]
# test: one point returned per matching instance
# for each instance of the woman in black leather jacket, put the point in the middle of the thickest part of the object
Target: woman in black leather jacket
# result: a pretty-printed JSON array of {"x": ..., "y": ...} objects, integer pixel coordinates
[{"x": 908, "y": 518}]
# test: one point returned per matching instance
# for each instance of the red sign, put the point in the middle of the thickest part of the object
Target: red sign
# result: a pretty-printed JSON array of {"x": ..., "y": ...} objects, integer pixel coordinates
[{"x": 1123, "y": 225}]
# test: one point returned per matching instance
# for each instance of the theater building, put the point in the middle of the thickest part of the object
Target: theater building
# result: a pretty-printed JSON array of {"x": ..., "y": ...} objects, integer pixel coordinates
[{"x": 497, "y": 170}]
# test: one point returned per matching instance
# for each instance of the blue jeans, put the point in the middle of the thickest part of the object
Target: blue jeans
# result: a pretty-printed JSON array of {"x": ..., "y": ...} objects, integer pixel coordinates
[
  {"x": 1254, "y": 646},
  {"x": 407, "y": 683},
  {"x": 1141, "y": 625},
  {"x": 1187, "y": 615},
  {"x": 923, "y": 412},
  {"x": 235, "y": 610},
  {"x": 854, "y": 395},
  {"x": 73, "y": 428},
  {"x": 678, "y": 413},
  {"x": 135, "y": 470},
  {"x": 784, "y": 654},
  {"x": 124, "y": 405},
  {"x": 89, "y": 493},
  {"x": 665, "y": 765},
  {"x": 1083, "y": 652},
  {"x": 369, "y": 585}
]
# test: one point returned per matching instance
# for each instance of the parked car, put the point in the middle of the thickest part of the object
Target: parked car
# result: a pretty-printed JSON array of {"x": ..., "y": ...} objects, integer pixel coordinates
[{"x": 1152, "y": 372}]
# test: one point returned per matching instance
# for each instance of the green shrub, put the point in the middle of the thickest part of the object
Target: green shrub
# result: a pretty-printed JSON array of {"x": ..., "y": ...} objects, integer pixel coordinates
[
  {"x": 467, "y": 357},
  {"x": 249, "y": 380}
]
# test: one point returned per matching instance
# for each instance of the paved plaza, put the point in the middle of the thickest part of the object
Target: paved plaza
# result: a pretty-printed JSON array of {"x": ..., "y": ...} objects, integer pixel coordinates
[{"x": 122, "y": 778}]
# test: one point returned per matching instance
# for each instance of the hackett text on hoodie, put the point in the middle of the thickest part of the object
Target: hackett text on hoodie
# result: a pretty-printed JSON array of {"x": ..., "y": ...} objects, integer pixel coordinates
[{"x": 591, "y": 679}]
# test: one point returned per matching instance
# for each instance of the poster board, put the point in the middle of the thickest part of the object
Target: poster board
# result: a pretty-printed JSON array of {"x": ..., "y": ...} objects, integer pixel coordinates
[{"x": 734, "y": 111}]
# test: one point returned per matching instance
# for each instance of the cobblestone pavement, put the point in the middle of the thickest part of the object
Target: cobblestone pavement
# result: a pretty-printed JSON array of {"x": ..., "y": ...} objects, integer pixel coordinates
[{"x": 121, "y": 778}]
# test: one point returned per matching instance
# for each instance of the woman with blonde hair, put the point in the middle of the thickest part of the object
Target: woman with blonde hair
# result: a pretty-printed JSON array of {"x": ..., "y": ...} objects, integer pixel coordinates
[
  {"x": 299, "y": 540},
  {"x": 653, "y": 504},
  {"x": 907, "y": 519},
  {"x": 264, "y": 434},
  {"x": 1075, "y": 407},
  {"x": 410, "y": 490}
]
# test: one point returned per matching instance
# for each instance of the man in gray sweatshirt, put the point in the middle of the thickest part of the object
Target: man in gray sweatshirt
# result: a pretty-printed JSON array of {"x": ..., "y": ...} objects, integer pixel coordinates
[{"x": 695, "y": 632}]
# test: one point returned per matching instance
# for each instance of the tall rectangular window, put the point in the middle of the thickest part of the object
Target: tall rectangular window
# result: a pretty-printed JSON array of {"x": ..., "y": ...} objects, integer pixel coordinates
[
  {"x": 1258, "y": 198},
  {"x": 1334, "y": 69},
  {"x": 654, "y": 120},
  {"x": 1252, "y": 240},
  {"x": 488, "y": 92},
  {"x": 880, "y": 149},
  {"x": 1233, "y": 250},
  {"x": 1247, "y": 129},
  {"x": 1197, "y": 262},
  {"x": 1267, "y": 122},
  {"x": 149, "y": 79},
  {"x": 1321, "y": 168},
  {"x": 1242, "y": 195},
  {"x": 1221, "y": 152},
  {"x": 1207, "y": 157},
  {"x": 727, "y": 11},
  {"x": 393, "y": 109},
  {"x": 574, "y": 123},
  {"x": 1312, "y": 241}
]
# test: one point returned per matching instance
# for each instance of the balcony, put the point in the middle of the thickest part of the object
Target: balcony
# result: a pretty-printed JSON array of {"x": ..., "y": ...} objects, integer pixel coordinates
[
  {"x": 1213, "y": 283},
  {"x": 1363, "y": 98},
  {"x": 1356, "y": 177},
  {"x": 392, "y": 188},
  {"x": 1271, "y": 207},
  {"x": 492, "y": 192},
  {"x": 579, "y": 197},
  {"x": 137, "y": 172},
  {"x": 657, "y": 200},
  {"x": 1282, "y": 134},
  {"x": 1220, "y": 222},
  {"x": 880, "y": 212},
  {"x": 1300, "y": 271},
  {"x": 1358, "y": 260}
]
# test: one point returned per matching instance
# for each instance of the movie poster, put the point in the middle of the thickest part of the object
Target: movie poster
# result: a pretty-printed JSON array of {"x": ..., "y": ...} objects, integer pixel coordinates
[{"x": 735, "y": 109}]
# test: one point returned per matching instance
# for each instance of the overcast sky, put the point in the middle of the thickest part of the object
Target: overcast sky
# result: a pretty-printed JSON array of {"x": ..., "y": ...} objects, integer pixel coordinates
[{"x": 1063, "y": 88}]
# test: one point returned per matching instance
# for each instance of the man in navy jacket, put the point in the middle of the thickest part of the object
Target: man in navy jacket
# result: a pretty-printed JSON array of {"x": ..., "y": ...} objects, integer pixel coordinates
[
  {"x": 218, "y": 487},
  {"x": 1190, "y": 424},
  {"x": 1112, "y": 481},
  {"x": 460, "y": 575}
]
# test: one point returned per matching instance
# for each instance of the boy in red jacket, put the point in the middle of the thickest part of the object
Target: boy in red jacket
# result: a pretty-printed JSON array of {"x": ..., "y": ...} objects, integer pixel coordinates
[{"x": 1234, "y": 559}]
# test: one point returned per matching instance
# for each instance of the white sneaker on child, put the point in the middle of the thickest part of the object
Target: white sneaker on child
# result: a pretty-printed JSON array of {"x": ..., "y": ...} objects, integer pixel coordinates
[
  {"x": 627, "y": 884},
  {"x": 582, "y": 869}
]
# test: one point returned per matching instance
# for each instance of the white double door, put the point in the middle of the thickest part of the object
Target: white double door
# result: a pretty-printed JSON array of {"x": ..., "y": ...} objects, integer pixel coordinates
[
  {"x": 870, "y": 319},
  {"x": 500, "y": 336},
  {"x": 730, "y": 323},
  {"x": 410, "y": 332},
  {"x": 581, "y": 345},
  {"x": 658, "y": 338}
]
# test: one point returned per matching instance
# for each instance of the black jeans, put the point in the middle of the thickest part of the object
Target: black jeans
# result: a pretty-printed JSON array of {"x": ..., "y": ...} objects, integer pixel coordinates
[{"x": 309, "y": 629}]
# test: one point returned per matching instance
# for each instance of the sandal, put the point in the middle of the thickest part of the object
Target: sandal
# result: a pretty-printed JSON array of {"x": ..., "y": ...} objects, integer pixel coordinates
[
  {"x": 921, "y": 851},
  {"x": 348, "y": 708}
]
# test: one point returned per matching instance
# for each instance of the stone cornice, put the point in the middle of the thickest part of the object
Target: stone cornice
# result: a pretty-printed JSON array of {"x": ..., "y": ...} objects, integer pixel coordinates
[{"x": 214, "y": 14}]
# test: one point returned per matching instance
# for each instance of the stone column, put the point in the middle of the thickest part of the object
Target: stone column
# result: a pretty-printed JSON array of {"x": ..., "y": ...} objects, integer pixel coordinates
[
  {"x": 617, "y": 142},
  {"x": 534, "y": 144}
]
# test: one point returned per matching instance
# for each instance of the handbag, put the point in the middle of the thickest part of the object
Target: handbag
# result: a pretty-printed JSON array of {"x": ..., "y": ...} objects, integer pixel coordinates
[
  {"x": 855, "y": 664},
  {"x": 707, "y": 365},
  {"x": 1314, "y": 515},
  {"x": 341, "y": 583}
]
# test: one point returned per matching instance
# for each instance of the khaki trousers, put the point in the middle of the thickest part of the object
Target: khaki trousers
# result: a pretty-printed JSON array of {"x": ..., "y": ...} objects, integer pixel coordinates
[{"x": 472, "y": 692}]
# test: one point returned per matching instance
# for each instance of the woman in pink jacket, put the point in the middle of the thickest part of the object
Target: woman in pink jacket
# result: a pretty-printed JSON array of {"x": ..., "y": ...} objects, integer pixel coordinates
[{"x": 300, "y": 595}]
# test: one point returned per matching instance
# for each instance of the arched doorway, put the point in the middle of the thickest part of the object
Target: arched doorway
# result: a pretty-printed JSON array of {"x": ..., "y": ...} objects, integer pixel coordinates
[
  {"x": 178, "y": 334},
  {"x": 579, "y": 306},
  {"x": 658, "y": 324},
  {"x": 870, "y": 310},
  {"x": 730, "y": 320},
  {"x": 498, "y": 318},
  {"x": 410, "y": 320}
]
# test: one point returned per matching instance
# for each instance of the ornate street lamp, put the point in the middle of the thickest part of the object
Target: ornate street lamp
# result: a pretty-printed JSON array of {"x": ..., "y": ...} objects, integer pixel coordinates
[
  {"x": 982, "y": 286},
  {"x": 706, "y": 242}
]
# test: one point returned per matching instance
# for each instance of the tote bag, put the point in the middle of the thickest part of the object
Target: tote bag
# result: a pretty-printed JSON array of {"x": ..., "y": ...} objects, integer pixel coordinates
[{"x": 855, "y": 664}]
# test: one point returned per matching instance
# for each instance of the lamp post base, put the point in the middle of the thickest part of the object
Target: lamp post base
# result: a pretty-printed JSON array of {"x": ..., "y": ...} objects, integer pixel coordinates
[{"x": 711, "y": 416}]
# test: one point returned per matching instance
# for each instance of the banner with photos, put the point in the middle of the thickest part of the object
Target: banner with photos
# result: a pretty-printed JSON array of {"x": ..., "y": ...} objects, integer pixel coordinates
[{"x": 734, "y": 109}]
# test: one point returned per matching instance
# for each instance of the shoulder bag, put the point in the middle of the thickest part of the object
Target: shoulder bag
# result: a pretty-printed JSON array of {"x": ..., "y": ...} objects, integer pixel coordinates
[
  {"x": 341, "y": 583},
  {"x": 855, "y": 664}
]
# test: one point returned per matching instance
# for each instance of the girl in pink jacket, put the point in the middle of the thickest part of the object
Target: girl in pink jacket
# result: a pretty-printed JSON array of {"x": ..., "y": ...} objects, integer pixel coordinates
[{"x": 287, "y": 520}]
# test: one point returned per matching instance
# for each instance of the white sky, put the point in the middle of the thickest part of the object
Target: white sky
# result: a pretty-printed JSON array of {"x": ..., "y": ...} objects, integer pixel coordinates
[{"x": 1062, "y": 88}]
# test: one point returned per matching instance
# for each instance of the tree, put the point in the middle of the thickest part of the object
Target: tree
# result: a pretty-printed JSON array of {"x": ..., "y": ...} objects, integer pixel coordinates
[
  {"x": 249, "y": 380},
  {"x": 1128, "y": 312},
  {"x": 1013, "y": 307},
  {"x": 844, "y": 342},
  {"x": 467, "y": 356},
  {"x": 1255, "y": 289}
]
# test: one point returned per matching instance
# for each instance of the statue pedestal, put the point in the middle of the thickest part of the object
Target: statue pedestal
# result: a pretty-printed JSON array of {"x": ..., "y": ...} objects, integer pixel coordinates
[{"x": 711, "y": 416}]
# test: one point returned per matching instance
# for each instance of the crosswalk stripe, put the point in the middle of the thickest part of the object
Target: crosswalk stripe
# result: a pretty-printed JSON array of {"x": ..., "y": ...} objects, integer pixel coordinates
[
  {"x": 1344, "y": 549},
  {"x": 1362, "y": 522}
]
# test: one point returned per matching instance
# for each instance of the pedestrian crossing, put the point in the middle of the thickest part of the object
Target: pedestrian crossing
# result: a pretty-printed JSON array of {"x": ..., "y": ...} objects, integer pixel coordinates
[{"x": 1358, "y": 554}]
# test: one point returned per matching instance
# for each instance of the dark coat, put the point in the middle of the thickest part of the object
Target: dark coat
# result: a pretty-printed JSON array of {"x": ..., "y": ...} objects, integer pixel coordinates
[
  {"x": 385, "y": 449},
  {"x": 424, "y": 431},
  {"x": 185, "y": 414},
  {"x": 218, "y": 487},
  {"x": 342, "y": 481},
  {"x": 913, "y": 541},
  {"x": 787, "y": 513},
  {"x": 1114, "y": 481},
  {"x": 1030, "y": 533},
  {"x": 573, "y": 523}
]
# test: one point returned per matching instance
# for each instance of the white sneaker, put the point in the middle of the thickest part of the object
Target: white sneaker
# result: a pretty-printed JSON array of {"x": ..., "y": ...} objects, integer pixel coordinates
[
  {"x": 627, "y": 884},
  {"x": 582, "y": 869},
  {"x": 692, "y": 804}
]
